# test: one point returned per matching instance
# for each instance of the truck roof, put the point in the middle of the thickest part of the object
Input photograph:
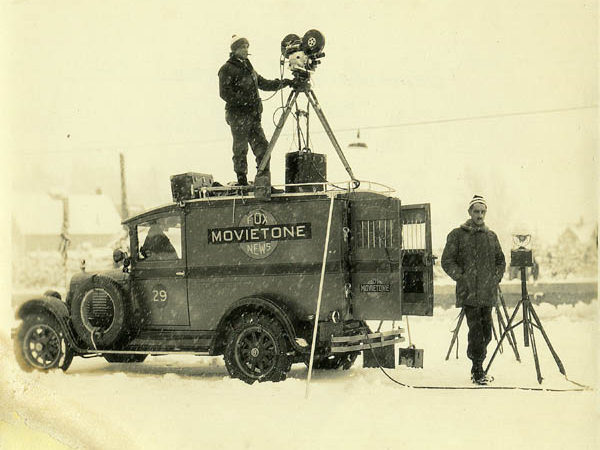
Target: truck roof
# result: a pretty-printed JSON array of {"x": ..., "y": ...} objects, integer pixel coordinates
[{"x": 223, "y": 193}]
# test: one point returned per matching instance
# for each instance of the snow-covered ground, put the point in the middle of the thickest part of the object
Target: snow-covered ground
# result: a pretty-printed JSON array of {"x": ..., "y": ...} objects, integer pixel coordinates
[{"x": 190, "y": 402}]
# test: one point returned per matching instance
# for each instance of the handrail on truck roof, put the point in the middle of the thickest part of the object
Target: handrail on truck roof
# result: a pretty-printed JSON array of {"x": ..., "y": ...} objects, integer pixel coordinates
[
  {"x": 210, "y": 194},
  {"x": 311, "y": 189}
]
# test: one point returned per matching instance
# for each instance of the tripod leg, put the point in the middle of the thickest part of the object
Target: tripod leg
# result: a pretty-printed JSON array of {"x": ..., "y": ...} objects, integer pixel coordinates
[
  {"x": 499, "y": 328},
  {"x": 512, "y": 340},
  {"x": 525, "y": 298},
  {"x": 286, "y": 112},
  {"x": 529, "y": 331},
  {"x": 455, "y": 334},
  {"x": 508, "y": 328},
  {"x": 510, "y": 335},
  {"x": 559, "y": 363},
  {"x": 312, "y": 98}
]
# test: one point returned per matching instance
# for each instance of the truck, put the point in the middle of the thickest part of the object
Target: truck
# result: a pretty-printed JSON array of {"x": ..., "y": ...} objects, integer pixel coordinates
[{"x": 220, "y": 271}]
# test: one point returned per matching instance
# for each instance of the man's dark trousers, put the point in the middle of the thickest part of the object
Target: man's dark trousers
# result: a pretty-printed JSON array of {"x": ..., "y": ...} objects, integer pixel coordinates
[
  {"x": 246, "y": 129},
  {"x": 479, "y": 321}
]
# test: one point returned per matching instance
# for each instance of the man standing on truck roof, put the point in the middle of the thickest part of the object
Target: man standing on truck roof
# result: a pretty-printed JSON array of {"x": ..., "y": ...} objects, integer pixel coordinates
[
  {"x": 238, "y": 86},
  {"x": 474, "y": 259}
]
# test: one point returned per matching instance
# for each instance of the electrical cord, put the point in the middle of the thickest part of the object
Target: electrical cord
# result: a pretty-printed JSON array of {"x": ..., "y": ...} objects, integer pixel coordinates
[
  {"x": 520, "y": 388},
  {"x": 281, "y": 69},
  {"x": 92, "y": 332}
]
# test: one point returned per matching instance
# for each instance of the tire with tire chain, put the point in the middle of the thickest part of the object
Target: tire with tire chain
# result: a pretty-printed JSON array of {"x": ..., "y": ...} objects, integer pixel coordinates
[
  {"x": 257, "y": 349},
  {"x": 40, "y": 344}
]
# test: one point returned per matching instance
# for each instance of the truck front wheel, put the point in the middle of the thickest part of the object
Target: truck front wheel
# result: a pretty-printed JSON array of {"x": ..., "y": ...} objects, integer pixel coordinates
[
  {"x": 40, "y": 344},
  {"x": 257, "y": 349}
]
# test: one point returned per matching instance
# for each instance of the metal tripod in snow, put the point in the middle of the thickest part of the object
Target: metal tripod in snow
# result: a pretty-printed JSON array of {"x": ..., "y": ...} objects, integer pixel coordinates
[
  {"x": 530, "y": 320},
  {"x": 502, "y": 317}
]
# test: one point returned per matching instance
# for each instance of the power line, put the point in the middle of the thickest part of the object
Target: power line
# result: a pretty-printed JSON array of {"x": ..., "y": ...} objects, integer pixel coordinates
[
  {"x": 368, "y": 127},
  {"x": 469, "y": 118}
]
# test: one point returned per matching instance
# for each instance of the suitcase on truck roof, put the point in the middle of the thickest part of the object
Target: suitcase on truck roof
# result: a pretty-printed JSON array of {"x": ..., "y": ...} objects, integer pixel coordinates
[{"x": 186, "y": 186}]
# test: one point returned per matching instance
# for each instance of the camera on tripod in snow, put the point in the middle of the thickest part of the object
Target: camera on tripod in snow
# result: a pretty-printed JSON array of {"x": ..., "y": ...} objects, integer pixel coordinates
[
  {"x": 521, "y": 255},
  {"x": 303, "y": 54}
]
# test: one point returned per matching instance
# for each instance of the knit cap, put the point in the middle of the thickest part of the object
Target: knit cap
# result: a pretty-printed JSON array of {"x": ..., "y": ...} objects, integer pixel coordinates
[
  {"x": 237, "y": 42},
  {"x": 477, "y": 199}
]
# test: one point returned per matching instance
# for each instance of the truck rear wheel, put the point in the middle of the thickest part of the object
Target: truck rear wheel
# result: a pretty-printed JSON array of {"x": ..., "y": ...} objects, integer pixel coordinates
[
  {"x": 257, "y": 349},
  {"x": 40, "y": 344}
]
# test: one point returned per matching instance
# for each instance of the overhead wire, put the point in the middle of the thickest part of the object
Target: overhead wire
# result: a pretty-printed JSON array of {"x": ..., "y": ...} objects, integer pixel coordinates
[{"x": 367, "y": 127}]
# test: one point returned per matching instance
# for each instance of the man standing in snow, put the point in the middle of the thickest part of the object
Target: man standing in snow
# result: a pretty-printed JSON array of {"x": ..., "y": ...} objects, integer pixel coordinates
[
  {"x": 473, "y": 258},
  {"x": 238, "y": 86}
]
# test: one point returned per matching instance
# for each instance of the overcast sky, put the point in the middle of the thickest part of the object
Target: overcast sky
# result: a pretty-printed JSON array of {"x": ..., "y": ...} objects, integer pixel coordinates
[{"x": 497, "y": 98}]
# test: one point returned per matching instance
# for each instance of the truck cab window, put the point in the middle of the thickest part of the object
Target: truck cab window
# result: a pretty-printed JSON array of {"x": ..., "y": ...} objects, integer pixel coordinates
[{"x": 160, "y": 239}]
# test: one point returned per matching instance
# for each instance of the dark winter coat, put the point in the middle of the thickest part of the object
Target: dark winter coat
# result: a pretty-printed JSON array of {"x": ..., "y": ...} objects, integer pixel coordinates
[
  {"x": 239, "y": 84},
  {"x": 473, "y": 258}
]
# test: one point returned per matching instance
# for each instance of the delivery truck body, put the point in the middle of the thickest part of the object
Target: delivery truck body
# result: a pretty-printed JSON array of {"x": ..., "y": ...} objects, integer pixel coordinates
[{"x": 220, "y": 271}]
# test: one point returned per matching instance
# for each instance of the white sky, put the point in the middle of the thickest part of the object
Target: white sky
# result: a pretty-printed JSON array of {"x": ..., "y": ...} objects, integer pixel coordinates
[{"x": 89, "y": 79}]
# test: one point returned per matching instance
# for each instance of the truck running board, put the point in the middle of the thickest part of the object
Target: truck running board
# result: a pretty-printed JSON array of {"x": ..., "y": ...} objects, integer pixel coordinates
[
  {"x": 342, "y": 344},
  {"x": 147, "y": 352}
]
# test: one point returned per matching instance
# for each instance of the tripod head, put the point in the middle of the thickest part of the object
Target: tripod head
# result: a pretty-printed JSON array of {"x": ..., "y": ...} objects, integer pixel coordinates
[{"x": 301, "y": 82}]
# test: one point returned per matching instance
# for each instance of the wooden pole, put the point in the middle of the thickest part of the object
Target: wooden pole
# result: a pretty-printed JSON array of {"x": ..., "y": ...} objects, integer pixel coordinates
[
  {"x": 124, "y": 208},
  {"x": 314, "y": 337}
]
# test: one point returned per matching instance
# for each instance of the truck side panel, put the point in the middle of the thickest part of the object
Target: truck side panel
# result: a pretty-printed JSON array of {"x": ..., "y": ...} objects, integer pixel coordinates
[
  {"x": 248, "y": 248},
  {"x": 214, "y": 295}
]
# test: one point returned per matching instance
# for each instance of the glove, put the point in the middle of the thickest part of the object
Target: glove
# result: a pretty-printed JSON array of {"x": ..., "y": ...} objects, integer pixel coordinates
[{"x": 287, "y": 82}]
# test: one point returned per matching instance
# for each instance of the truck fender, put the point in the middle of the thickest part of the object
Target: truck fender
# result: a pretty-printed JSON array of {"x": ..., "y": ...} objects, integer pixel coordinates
[
  {"x": 278, "y": 310},
  {"x": 52, "y": 306}
]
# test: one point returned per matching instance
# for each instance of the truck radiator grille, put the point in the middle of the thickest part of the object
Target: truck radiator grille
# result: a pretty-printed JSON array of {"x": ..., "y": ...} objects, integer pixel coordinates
[
  {"x": 414, "y": 236},
  {"x": 375, "y": 234}
]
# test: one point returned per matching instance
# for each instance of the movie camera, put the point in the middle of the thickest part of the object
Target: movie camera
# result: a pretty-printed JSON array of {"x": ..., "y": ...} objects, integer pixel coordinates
[
  {"x": 303, "y": 54},
  {"x": 521, "y": 254}
]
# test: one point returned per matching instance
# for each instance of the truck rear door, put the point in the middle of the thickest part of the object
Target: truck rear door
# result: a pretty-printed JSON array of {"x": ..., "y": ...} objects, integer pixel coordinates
[
  {"x": 375, "y": 253},
  {"x": 417, "y": 260}
]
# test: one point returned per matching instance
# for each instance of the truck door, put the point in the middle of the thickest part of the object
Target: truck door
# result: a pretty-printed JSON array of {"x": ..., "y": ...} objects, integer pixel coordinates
[
  {"x": 158, "y": 274},
  {"x": 375, "y": 258},
  {"x": 417, "y": 260}
]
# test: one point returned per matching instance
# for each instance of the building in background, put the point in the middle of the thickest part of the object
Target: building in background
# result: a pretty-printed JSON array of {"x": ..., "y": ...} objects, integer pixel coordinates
[{"x": 37, "y": 221}]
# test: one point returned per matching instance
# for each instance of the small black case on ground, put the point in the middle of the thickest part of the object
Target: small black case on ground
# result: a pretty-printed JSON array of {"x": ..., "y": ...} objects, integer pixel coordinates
[{"x": 410, "y": 357}]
